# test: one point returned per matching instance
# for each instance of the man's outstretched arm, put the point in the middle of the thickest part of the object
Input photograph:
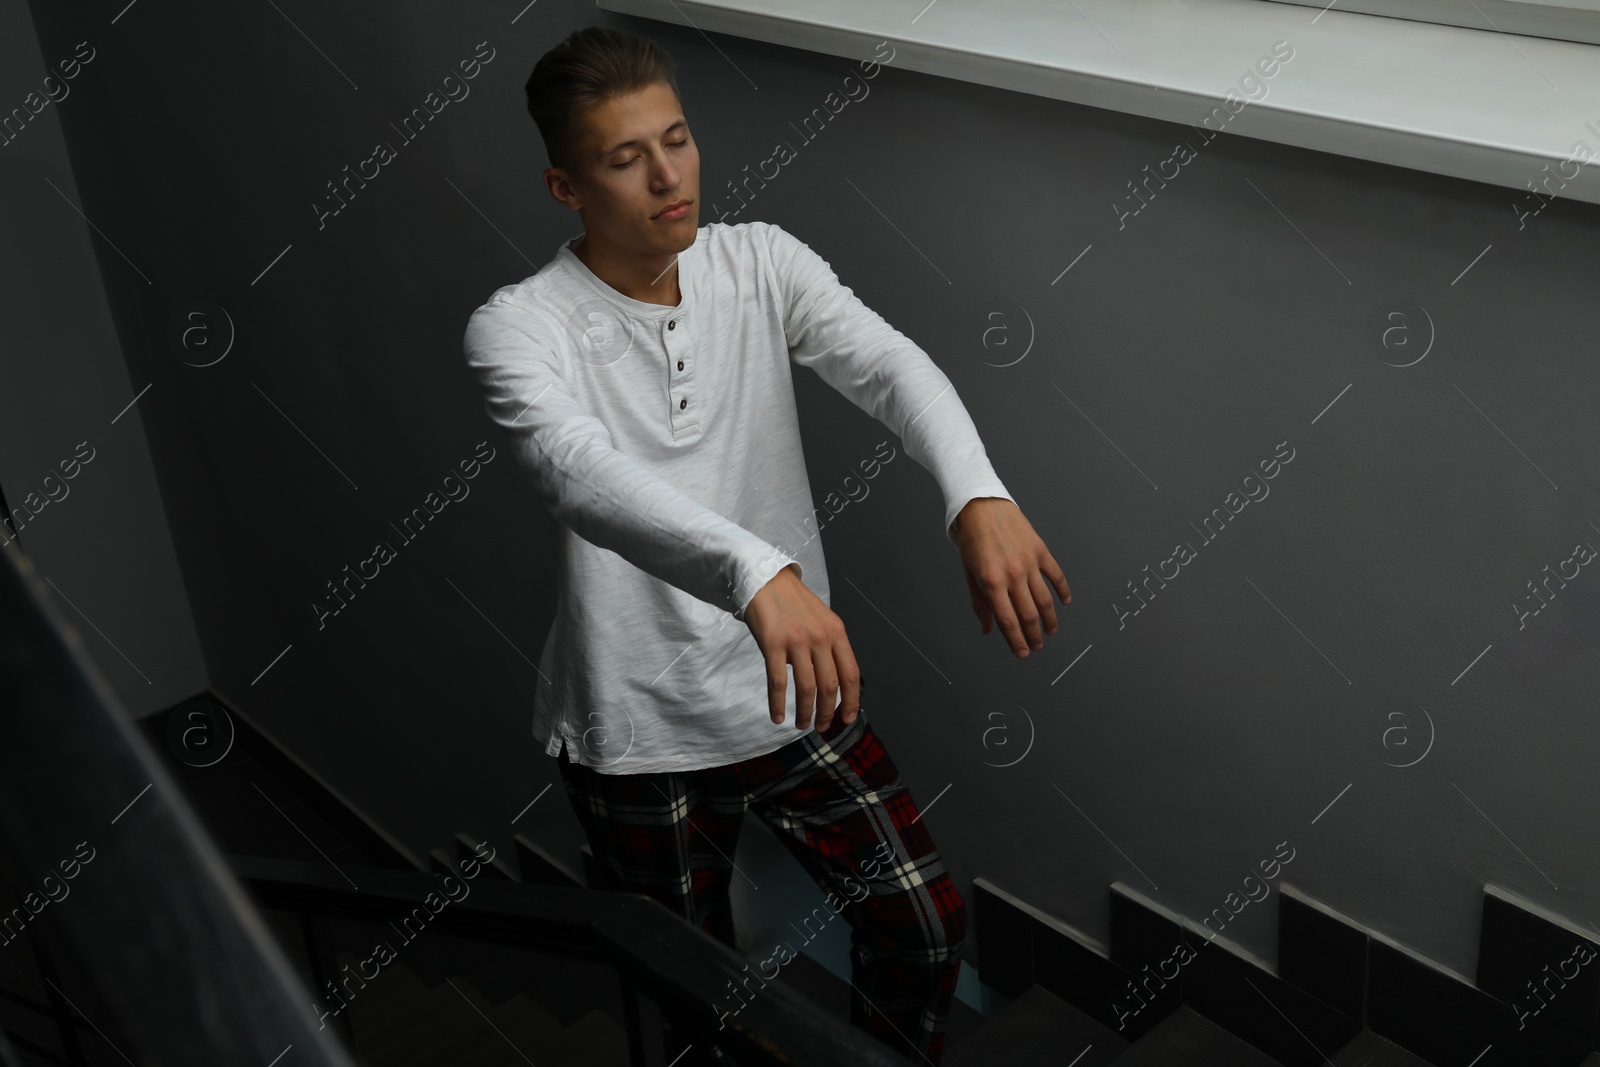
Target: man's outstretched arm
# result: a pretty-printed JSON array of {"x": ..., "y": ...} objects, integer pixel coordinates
[
  {"x": 607, "y": 497},
  {"x": 1010, "y": 573},
  {"x": 611, "y": 500}
]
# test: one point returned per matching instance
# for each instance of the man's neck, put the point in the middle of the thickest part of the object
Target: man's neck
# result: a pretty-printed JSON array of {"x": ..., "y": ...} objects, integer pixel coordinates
[{"x": 650, "y": 283}]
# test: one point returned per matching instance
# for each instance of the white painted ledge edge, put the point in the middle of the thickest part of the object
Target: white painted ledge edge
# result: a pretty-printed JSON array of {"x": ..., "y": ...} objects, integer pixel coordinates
[{"x": 1472, "y": 104}]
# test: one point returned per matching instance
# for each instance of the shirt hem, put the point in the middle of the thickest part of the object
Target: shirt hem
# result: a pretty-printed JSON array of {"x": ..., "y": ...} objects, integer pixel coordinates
[{"x": 658, "y": 764}]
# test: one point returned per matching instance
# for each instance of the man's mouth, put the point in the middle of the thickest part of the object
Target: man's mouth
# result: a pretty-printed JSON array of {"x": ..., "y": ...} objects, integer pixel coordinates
[{"x": 674, "y": 211}]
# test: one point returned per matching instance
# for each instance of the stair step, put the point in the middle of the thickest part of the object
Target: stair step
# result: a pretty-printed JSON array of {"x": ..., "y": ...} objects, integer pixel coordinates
[
  {"x": 564, "y": 987},
  {"x": 1038, "y": 1027},
  {"x": 249, "y": 811},
  {"x": 569, "y": 989},
  {"x": 385, "y": 1000},
  {"x": 593, "y": 1041},
  {"x": 434, "y": 956},
  {"x": 1188, "y": 1038},
  {"x": 442, "y": 1011},
  {"x": 513, "y": 1032},
  {"x": 520, "y": 1025},
  {"x": 505, "y": 972},
  {"x": 1368, "y": 1049}
]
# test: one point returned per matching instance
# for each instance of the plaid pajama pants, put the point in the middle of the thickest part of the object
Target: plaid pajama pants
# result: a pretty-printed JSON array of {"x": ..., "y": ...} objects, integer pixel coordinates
[{"x": 836, "y": 801}]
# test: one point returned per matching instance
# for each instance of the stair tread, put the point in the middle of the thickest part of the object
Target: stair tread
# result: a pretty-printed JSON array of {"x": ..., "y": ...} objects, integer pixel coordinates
[
  {"x": 432, "y": 955},
  {"x": 439, "y": 1012},
  {"x": 385, "y": 999},
  {"x": 505, "y": 972},
  {"x": 251, "y": 812},
  {"x": 1189, "y": 1038},
  {"x": 593, "y": 1041},
  {"x": 436, "y": 1045},
  {"x": 513, "y": 1030},
  {"x": 520, "y": 1025},
  {"x": 1038, "y": 1027},
  {"x": 571, "y": 990},
  {"x": 1368, "y": 1049}
]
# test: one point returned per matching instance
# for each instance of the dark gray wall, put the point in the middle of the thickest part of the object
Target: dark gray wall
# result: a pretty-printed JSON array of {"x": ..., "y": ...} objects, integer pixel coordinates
[
  {"x": 1263, "y": 696},
  {"x": 85, "y": 503}
]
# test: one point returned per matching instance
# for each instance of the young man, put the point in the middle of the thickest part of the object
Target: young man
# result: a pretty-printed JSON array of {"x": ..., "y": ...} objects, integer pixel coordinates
[{"x": 644, "y": 378}]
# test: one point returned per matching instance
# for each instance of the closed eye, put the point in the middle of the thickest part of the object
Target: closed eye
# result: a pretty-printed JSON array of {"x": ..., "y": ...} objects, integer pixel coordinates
[{"x": 635, "y": 159}]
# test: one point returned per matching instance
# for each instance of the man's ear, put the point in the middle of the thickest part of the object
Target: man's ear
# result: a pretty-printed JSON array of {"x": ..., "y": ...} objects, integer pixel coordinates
[{"x": 557, "y": 181}]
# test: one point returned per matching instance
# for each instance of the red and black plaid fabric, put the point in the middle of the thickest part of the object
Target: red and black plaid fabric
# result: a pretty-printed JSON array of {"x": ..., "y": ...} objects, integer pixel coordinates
[{"x": 835, "y": 799}]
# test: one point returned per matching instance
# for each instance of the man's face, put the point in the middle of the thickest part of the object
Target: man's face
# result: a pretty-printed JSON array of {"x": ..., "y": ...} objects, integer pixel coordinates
[{"x": 637, "y": 158}]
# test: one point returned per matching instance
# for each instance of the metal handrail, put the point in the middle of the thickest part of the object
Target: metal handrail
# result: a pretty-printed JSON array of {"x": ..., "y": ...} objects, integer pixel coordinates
[
  {"x": 159, "y": 924},
  {"x": 678, "y": 967},
  {"x": 133, "y": 891}
]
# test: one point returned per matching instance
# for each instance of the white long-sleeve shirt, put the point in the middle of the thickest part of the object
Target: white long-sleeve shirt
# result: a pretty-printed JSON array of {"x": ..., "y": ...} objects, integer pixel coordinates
[{"x": 666, "y": 442}]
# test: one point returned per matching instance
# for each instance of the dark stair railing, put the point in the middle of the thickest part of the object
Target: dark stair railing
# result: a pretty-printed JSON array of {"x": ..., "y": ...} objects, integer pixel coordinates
[{"x": 159, "y": 943}]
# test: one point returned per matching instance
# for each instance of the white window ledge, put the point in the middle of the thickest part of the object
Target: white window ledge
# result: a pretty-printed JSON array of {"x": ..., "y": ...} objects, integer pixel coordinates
[{"x": 1476, "y": 104}]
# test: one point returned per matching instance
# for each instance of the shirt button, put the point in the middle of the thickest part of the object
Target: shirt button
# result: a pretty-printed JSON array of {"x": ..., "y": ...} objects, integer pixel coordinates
[
  {"x": 680, "y": 364},
  {"x": 683, "y": 403},
  {"x": 672, "y": 325}
]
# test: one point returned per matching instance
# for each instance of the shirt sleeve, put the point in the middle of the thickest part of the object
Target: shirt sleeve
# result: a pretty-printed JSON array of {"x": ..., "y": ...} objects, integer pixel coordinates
[
  {"x": 881, "y": 371},
  {"x": 605, "y": 496}
]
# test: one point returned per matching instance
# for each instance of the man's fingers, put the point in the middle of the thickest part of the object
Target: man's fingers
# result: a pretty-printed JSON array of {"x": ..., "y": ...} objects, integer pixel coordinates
[
  {"x": 1017, "y": 613},
  {"x": 777, "y": 684},
  {"x": 1011, "y": 577},
  {"x": 827, "y": 686},
  {"x": 1052, "y": 571},
  {"x": 1043, "y": 601},
  {"x": 844, "y": 659},
  {"x": 805, "y": 689},
  {"x": 797, "y": 631},
  {"x": 980, "y": 602},
  {"x": 1021, "y": 594},
  {"x": 999, "y": 595}
]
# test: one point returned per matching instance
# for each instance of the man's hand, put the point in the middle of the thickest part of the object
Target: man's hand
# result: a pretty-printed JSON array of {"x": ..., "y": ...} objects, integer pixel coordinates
[
  {"x": 792, "y": 625},
  {"x": 1009, "y": 572}
]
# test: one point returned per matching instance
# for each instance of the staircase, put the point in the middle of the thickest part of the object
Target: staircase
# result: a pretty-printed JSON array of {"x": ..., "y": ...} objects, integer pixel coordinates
[
  {"x": 429, "y": 999},
  {"x": 447, "y": 1001},
  {"x": 1041, "y": 1028},
  {"x": 438, "y": 999}
]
